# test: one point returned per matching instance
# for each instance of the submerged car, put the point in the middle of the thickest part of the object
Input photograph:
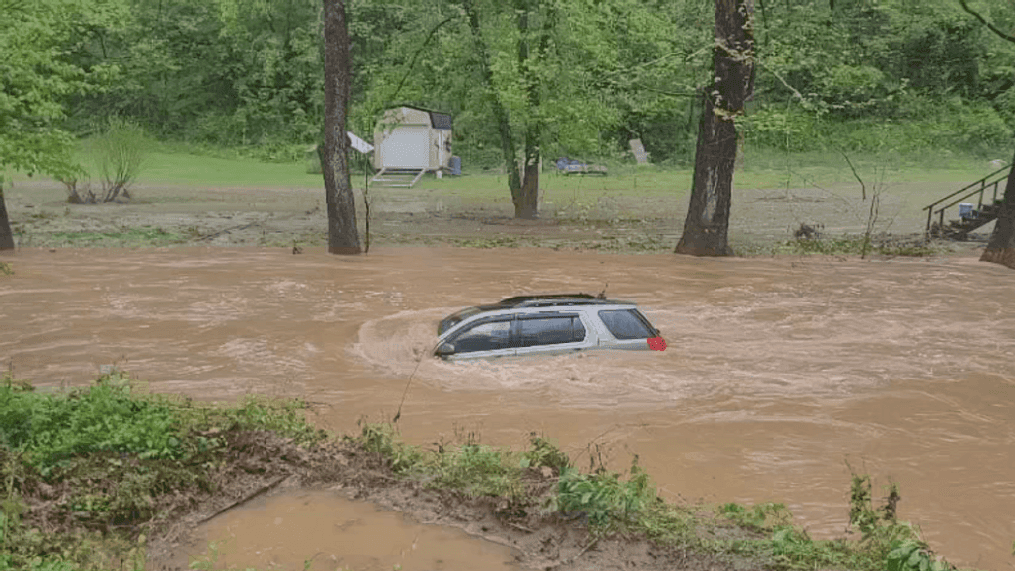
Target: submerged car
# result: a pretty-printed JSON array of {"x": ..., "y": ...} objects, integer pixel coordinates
[{"x": 545, "y": 325}]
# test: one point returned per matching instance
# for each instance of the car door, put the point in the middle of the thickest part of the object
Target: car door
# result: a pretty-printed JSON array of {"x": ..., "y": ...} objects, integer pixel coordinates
[
  {"x": 550, "y": 333},
  {"x": 483, "y": 339}
]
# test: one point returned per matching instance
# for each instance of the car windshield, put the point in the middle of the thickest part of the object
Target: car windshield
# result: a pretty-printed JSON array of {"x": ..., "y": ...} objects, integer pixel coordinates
[
  {"x": 627, "y": 324},
  {"x": 456, "y": 318}
]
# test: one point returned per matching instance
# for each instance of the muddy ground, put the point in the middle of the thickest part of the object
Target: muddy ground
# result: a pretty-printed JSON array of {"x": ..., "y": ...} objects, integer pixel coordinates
[
  {"x": 166, "y": 215},
  {"x": 258, "y": 463}
]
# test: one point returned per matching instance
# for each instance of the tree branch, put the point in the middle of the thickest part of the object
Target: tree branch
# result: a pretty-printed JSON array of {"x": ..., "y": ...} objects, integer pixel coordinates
[
  {"x": 984, "y": 21},
  {"x": 415, "y": 56}
]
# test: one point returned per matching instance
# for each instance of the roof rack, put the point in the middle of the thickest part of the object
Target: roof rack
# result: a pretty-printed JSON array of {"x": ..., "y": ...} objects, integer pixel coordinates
[
  {"x": 523, "y": 298},
  {"x": 555, "y": 299}
]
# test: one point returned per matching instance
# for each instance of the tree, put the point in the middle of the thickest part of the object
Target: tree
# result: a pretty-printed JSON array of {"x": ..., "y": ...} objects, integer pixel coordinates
[
  {"x": 36, "y": 78},
  {"x": 1001, "y": 246},
  {"x": 501, "y": 115},
  {"x": 343, "y": 237},
  {"x": 707, "y": 220}
]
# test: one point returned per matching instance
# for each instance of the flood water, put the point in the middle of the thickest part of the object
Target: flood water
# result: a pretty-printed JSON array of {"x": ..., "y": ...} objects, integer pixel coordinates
[{"x": 780, "y": 373}]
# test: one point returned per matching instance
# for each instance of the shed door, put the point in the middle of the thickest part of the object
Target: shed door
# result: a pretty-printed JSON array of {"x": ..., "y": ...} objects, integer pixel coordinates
[{"x": 406, "y": 147}]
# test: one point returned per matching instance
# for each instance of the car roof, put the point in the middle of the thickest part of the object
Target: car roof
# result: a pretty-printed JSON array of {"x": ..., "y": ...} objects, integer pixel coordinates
[{"x": 552, "y": 300}]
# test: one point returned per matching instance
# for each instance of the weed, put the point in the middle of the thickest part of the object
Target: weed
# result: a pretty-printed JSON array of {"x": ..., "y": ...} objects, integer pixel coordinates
[
  {"x": 383, "y": 439},
  {"x": 603, "y": 499},
  {"x": 761, "y": 517},
  {"x": 544, "y": 453},
  {"x": 478, "y": 470},
  {"x": 5, "y": 269}
]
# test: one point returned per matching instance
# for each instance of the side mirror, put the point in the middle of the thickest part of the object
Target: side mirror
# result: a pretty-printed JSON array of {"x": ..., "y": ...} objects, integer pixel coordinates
[{"x": 445, "y": 349}]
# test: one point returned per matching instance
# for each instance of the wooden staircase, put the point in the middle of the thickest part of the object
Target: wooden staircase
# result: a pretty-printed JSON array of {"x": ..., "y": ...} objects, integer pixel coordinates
[
  {"x": 984, "y": 211},
  {"x": 398, "y": 178}
]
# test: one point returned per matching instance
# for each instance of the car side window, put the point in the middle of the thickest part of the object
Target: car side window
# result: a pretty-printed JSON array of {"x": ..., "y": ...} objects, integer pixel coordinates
[
  {"x": 550, "y": 330},
  {"x": 488, "y": 336},
  {"x": 626, "y": 324}
]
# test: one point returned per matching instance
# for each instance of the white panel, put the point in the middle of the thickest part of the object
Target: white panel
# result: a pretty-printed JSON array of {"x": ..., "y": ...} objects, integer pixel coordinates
[{"x": 406, "y": 147}]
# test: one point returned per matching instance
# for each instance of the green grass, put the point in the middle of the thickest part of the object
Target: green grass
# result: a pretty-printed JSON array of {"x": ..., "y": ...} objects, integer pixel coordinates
[
  {"x": 762, "y": 169},
  {"x": 145, "y": 236},
  {"x": 114, "y": 452}
]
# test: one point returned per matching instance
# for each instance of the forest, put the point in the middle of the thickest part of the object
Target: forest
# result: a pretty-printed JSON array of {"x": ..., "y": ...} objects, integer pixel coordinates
[{"x": 889, "y": 77}]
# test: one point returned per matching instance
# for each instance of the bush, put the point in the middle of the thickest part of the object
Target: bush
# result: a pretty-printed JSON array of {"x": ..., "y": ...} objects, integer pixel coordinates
[{"x": 120, "y": 152}]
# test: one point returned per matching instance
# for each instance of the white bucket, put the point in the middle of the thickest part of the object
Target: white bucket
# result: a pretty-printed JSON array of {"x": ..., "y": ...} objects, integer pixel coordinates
[{"x": 965, "y": 210}]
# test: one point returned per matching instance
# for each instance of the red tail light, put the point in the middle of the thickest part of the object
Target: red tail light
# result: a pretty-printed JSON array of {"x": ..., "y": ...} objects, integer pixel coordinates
[{"x": 657, "y": 344}]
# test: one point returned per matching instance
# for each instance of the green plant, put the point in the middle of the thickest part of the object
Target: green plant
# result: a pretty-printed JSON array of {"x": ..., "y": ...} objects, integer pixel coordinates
[
  {"x": 5, "y": 269},
  {"x": 383, "y": 439},
  {"x": 913, "y": 555},
  {"x": 478, "y": 470},
  {"x": 120, "y": 152},
  {"x": 544, "y": 453},
  {"x": 761, "y": 517},
  {"x": 603, "y": 498}
]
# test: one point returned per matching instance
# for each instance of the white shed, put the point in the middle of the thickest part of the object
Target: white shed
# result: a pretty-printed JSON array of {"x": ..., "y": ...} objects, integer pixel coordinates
[{"x": 410, "y": 138}]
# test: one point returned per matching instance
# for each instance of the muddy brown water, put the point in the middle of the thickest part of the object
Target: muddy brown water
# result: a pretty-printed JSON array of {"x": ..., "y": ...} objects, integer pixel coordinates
[{"x": 780, "y": 372}]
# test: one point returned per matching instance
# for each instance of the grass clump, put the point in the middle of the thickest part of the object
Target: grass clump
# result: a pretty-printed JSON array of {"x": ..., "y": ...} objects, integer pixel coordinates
[
  {"x": 849, "y": 245},
  {"x": 145, "y": 236},
  {"x": 604, "y": 500},
  {"x": 97, "y": 466}
]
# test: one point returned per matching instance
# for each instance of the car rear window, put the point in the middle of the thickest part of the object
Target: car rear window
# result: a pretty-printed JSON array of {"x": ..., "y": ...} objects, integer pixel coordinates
[
  {"x": 534, "y": 331},
  {"x": 627, "y": 323}
]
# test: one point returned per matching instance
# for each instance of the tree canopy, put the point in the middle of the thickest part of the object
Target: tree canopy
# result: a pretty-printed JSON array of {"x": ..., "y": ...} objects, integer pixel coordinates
[{"x": 859, "y": 74}]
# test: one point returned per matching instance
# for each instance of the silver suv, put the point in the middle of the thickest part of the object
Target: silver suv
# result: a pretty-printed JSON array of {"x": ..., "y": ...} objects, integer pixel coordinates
[{"x": 545, "y": 325}]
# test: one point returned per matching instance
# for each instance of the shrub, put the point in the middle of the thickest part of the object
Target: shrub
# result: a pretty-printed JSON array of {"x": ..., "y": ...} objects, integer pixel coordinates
[{"x": 119, "y": 152}]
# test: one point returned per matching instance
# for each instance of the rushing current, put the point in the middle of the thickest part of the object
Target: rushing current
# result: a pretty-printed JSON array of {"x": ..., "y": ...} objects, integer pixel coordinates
[{"x": 782, "y": 375}]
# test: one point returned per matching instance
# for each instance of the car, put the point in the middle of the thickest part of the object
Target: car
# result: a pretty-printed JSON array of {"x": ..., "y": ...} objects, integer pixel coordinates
[{"x": 555, "y": 324}]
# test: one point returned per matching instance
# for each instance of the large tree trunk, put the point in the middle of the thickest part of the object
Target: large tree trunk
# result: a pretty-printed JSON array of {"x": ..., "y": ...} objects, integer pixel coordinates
[
  {"x": 343, "y": 238},
  {"x": 705, "y": 229},
  {"x": 500, "y": 113},
  {"x": 527, "y": 201},
  {"x": 6, "y": 236},
  {"x": 1001, "y": 246}
]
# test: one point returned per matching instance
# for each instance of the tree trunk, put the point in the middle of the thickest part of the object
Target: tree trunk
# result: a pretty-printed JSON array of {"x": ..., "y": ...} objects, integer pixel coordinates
[
  {"x": 6, "y": 236},
  {"x": 343, "y": 237},
  {"x": 1001, "y": 246},
  {"x": 500, "y": 113},
  {"x": 527, "y": 203},
  {"x": 705, "y": 229}
]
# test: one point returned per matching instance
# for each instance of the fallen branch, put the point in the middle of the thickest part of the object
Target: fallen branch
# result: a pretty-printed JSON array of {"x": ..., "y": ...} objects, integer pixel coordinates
[{"x": 241, "y": 501}]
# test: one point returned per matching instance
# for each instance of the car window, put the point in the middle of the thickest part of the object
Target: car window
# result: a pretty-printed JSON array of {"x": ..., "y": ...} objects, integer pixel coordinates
[
  {"x": 550, "y": 330},
  {"x": 487, "y": 336},
  {"x": 456, "y": 317},
  {"x": 626, "y": 324}
]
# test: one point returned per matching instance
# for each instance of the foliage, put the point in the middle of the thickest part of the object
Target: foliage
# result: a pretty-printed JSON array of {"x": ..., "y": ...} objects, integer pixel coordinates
[
  {"x": 51, "y": 429},
  {"x": 120, "y": 152},
  {"x": 761, "y": 517},
  {"x": 38, "y": 77},
  {"x": 114, "y": 451},
  {"x": 383, "y": 439},
  {"x": 603, "y": 498}
]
